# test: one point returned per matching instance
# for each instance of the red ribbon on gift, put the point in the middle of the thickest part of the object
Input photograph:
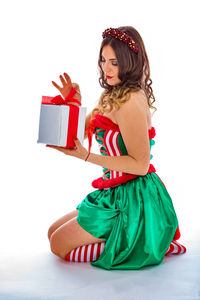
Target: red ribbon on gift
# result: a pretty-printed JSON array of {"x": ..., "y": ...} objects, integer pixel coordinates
[
  {"x": 60, "y": 101},
  {"x": 90, "y": 131},
  {"x": 73, "y": 114}
]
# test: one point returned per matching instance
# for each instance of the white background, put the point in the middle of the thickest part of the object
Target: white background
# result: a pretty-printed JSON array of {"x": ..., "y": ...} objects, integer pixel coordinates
[{"x": 42, "y": 39}]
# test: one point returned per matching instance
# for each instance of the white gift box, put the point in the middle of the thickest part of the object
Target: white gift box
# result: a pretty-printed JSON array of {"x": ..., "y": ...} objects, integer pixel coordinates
[{"x": 59, "y": 124}]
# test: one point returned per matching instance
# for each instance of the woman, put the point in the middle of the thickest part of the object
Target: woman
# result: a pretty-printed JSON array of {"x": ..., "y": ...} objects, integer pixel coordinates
[{"x": 129, "y": 222}]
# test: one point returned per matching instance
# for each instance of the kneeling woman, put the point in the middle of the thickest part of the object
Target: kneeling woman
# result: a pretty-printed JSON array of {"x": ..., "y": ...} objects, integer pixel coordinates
[{"x": 129, "y": 221}]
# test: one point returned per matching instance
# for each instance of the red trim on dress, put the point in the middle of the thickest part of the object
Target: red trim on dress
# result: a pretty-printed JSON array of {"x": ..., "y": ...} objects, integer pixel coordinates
[{"x": 99, "y": 183}]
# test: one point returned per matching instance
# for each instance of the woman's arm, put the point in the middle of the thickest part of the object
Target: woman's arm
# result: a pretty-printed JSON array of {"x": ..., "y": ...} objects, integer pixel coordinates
[{"x": 125, "y": 163}]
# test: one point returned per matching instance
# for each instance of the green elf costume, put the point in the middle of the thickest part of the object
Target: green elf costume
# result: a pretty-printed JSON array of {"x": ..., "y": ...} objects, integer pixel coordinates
[{"x": 133, "y": 214}]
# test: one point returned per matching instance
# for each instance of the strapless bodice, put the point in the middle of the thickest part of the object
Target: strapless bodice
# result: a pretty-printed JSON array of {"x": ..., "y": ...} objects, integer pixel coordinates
[{"x": 110, "y": 141}]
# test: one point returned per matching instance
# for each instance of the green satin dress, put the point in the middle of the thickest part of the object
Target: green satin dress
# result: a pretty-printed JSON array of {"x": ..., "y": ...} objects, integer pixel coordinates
[{"x": 136, "y": 218}]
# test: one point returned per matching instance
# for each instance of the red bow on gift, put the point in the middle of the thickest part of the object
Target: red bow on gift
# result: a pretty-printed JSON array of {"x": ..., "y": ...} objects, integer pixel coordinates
[{"x": 60, "y": 101}]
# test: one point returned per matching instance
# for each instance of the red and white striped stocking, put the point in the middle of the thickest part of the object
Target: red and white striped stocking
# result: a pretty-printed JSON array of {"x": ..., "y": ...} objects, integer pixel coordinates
[
  {"x": 91, "y": 252},
  {"x": 86, "y": 253},
  {"x": 175, "y": 248}
]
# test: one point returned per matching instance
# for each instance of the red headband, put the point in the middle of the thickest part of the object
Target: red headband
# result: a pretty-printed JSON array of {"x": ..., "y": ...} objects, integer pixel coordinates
[{"x": 118, "y": 34}]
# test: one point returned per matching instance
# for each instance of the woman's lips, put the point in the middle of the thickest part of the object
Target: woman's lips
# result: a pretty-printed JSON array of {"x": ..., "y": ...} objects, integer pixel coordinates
[{"x": 109, "y": 77}]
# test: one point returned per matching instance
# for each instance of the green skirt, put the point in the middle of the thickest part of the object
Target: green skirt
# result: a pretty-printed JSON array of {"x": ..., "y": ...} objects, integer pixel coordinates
[{"x": 136, "y": 219}]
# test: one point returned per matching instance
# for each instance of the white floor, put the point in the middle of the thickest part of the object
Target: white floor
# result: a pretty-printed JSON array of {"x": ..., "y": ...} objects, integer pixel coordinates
[{"x": 44, "y": 276}]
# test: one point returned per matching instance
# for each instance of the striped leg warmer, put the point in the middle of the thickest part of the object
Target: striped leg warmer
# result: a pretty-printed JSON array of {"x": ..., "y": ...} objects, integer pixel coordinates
[
  {"x": 175, "y": 248},
  {"x": 86, "y": 253},
  {"x": 92, "y": 252}
]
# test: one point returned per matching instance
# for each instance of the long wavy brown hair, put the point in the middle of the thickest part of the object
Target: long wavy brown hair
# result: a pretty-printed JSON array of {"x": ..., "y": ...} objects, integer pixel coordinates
[{"x": 134, "y": 73}]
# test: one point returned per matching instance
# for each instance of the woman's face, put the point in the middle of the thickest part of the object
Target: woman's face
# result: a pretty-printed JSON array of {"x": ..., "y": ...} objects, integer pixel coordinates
[{"x": 109, "y": 65}]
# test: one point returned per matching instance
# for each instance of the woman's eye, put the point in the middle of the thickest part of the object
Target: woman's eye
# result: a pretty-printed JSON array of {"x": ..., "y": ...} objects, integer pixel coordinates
[{"x": 114, "y": 64}]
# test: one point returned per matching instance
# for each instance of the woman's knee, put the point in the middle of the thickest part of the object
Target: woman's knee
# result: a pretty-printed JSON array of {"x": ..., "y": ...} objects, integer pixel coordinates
[
  {"x": 53, "y": 244},
  {"x": 61, "y": 221},
  {"x": 51, "y": 231},
  {"x": 57, "y": 246}
]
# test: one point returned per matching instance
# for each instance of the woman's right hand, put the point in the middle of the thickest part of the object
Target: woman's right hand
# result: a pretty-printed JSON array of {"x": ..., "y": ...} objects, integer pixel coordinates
[{"x": 67, "y": 86}]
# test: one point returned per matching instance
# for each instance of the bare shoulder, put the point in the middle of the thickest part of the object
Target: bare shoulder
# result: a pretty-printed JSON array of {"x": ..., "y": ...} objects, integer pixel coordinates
[
  {"x": 135, "y": 101},
  {"x": 137, "y": 104}
]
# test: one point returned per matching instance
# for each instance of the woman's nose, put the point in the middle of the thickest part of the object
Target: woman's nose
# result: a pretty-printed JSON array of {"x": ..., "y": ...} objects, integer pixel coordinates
[{"x": 107, "y": 68}]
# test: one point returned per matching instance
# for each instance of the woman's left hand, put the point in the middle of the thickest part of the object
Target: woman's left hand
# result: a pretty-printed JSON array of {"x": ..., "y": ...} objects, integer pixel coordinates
[{"x": 79, "y": 151}]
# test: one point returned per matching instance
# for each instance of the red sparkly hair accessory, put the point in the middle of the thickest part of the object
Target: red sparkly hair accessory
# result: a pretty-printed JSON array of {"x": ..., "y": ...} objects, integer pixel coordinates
[{"x": 118, "y": 34}]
